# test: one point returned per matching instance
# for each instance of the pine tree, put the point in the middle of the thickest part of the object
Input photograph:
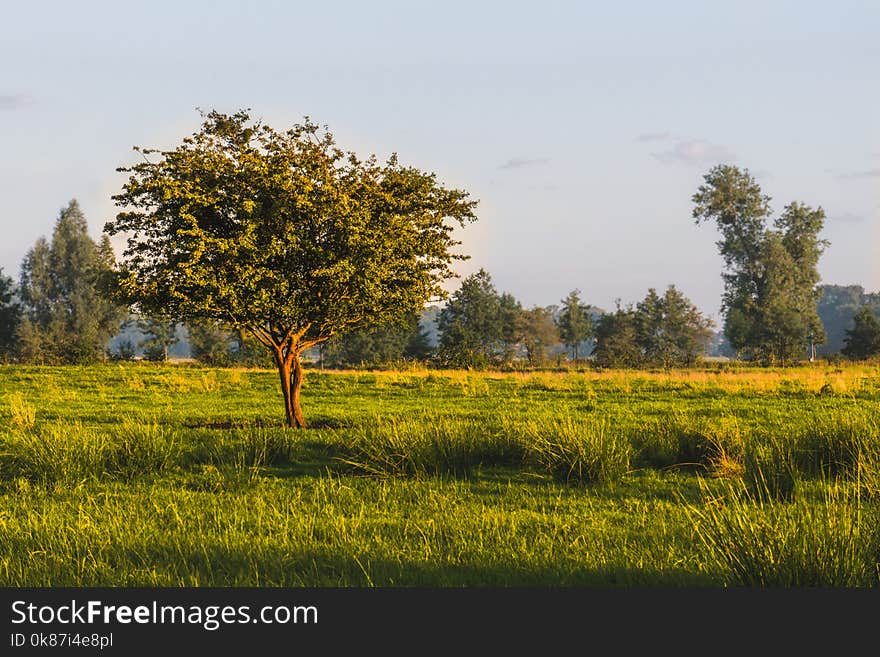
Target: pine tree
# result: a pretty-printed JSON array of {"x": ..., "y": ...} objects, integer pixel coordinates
[
  {"x": 472, "y": 325},
  {"x": 211, "y": 342},
  {"x": 66, "y": 317},
  {"x": 575, "y": 323},
  {"x": 160, "y": 334}
]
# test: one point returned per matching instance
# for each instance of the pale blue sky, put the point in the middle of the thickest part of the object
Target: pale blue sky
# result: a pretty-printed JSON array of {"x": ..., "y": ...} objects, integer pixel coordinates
[{"x": 582, "y": 127}]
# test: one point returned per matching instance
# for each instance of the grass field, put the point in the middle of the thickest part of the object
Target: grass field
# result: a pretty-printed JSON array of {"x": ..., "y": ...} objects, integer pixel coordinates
[{"x": 139, "y": 474}]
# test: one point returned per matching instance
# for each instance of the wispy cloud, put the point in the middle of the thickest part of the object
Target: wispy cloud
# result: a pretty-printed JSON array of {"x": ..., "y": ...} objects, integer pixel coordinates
[
  {"x": 14, "y": 101},
  {"x": 520, "y": 162},
  {"x": 860, "y": 175},
  {"x": 653, "y": 136},
  {"x": 695, "y": 152}
]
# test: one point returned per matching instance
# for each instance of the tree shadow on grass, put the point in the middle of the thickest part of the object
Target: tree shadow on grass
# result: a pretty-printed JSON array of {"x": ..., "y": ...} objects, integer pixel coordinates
[{"x": 216, "y": 565}]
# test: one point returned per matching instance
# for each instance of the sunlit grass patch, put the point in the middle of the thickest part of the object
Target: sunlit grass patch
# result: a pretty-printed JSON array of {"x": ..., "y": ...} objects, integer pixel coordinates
[{"x": 754, "y": 540}]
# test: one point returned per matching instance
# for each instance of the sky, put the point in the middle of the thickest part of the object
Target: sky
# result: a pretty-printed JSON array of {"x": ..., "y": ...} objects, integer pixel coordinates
[{"x": 583, "y": 128}]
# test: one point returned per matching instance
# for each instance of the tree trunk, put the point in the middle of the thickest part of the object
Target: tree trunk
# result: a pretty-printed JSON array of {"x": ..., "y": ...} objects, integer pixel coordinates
[
  {"x": 296, "y": 384},
  {"x": 290, "y": 371}
]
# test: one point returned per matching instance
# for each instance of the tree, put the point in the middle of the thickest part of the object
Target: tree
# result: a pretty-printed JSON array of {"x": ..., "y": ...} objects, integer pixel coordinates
[
  {"x": 575, "y": 323},
  {"x": 471, "y": 326},
  {"x": 419, "y": 346},
  {"x": 65, "y": 316},
  {"x": 10, "y": 316},
  {"x": 538, "y": 333},
  {"x": 510, "y": 321},
  {"x": 160, "y": 334},
  {"x": 617, "y": 340},
  {"x": 211, "y": 342},
  {"x": 837, "y": 308},
  {"x": 282, "y": 234},
  {"x": 371, "y": 346},
  {"x": 670, "y": 330},
  {"x": 771, "y": 274},
  {"x": 863, "y": 339}
]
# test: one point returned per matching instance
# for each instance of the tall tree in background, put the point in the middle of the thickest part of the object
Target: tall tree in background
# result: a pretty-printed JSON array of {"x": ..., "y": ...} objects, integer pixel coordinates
[
  {"x": 670, "y": 330},
  {"x": 471, "y": 325},
  {"x": 419, "y": 346},
  {"x": 538, "y": 333},
  {"x": 10, "y": 316},
  {"x": 211, "y": 342},
  {"x": 373, "y": 346},
  {"x": 771, "y": 274},
  {"x": 160, "y": 334},
  {"x": 282, "y": 234},
  {"x": 617, "y": 343},
  {"x": 510, "y": 319},
  {"x": 863, "y": 339},
  {"x": 837, "y": 307},
  {"x": 575, "y": 323},
  {"x": 66, "y": 318}
]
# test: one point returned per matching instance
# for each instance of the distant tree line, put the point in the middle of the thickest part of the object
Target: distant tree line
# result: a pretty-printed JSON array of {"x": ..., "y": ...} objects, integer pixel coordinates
[{"x": 58, "y": 311}]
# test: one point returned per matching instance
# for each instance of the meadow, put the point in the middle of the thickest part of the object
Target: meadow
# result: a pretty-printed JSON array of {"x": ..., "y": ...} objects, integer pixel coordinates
[{"x": 176, "y": 475}]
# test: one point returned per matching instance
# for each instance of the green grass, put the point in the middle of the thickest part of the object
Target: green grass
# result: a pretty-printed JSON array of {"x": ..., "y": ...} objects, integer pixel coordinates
[{"x": 140, "y": 474}]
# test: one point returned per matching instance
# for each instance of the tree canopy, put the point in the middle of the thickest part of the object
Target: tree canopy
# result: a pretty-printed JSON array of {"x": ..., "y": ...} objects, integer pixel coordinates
[
  {"x": 771, "y": 273},
  {"x": 283, "y": 234}
]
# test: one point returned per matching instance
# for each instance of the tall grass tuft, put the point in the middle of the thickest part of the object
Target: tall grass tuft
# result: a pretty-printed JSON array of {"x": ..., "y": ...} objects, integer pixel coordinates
[
  {"x": 577, "y": 451},
  {"x": 770, "y": 468},
  {"x": 754, "y": 541},
  {"x": 139, "y": 450},
  {"x": 839, "y": 444},
  {"x": 68, "y": 453},
  {"x": 24, "y": 415},
  {"x": 53, "y": 453},
  {"x": 426, "y": 446},
  {"x": 678, "y": 439}
]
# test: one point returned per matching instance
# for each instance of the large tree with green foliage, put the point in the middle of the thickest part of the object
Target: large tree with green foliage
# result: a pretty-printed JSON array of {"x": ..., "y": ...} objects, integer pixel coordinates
[
  {"x": 575, "y": 323},
  {"x": 283, "y": 234},
  {"x": 66, "y": 318},
  {"x": 771, "y": 273},
  {"x": 863, "y": 339}
]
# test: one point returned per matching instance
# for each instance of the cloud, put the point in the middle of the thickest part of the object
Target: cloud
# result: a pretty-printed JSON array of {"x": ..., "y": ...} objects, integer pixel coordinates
[
  {"x": 520, "y": 162},
  {"x": 14, "y": 101},
  {"x": 860, "y": 175},
  {"x": 847, "y": 217},
  {"x": 695, "y": 152},
  {"x": 653, "y": 136}
]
